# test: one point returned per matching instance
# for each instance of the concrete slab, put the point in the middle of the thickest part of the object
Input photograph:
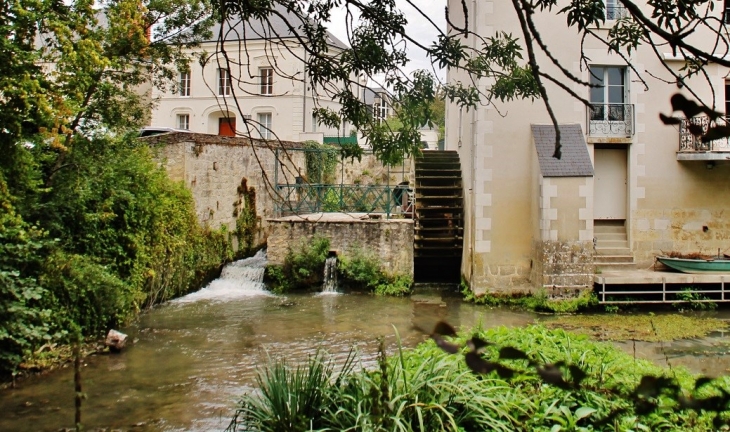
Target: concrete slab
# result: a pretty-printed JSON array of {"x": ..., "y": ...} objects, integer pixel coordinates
[{"x": 650, "y": 277}]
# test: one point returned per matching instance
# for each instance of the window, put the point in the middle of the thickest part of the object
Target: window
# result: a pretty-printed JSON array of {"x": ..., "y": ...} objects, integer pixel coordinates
[
  {"x": 614, "y": 10},
  {"x": 727, "y": 99},
  {"x": 380, "y": 110},
  {"x": 183, "y": 121},
  {"x": 185, "y": 83},
  {"x": 609, "y": 99},
  {"x": 726, "y": 12},
  {"x": 224, "y": 82},
  {"x": 267, "y": 81},
  {"x": 265, "y": 125}
]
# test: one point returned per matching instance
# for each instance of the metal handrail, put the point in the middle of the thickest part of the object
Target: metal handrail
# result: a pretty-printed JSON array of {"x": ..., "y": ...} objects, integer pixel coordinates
[
  {"x": 332, "y": 198},
  {"x": 610, "y": 119},
  {"x": 616, "y": 12},
  {"x": 689, "y": 142}
]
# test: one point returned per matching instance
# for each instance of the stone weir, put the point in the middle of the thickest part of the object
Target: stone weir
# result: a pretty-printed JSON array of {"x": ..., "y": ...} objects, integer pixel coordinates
[{"x": 390, "y": 239}]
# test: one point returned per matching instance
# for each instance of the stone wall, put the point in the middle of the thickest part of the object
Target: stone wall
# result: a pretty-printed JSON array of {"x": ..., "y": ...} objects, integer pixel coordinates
[
  {"x": 685, "y": 230},
  {"x": 561, "y": 265},
  {"x": 222, "y": 171},
  {"x": 391, "y": 240}
]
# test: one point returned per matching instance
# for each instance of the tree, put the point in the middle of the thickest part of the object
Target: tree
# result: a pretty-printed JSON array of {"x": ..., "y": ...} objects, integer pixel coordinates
[{"x": 508, "y": 64}]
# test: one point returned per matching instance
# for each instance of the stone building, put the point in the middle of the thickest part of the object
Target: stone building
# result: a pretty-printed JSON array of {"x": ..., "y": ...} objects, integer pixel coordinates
[{"x": 628, "y": 187}]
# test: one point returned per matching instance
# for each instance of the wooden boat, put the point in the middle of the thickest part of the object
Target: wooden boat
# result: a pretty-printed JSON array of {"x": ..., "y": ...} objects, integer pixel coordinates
[{"x": 687, "y": 265}]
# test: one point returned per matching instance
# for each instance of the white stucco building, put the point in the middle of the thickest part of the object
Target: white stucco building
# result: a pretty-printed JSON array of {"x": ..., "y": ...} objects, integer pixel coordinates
[
  {"x": 252, "y": 84},
  {"x": 648, "y": 188}
]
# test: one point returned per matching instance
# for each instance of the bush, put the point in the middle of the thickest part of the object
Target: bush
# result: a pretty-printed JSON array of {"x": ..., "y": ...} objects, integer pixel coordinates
[
  {"x": 362, "y": 270},
  {"x": 303, "y": 267},
  {"x": 24, "y": 324}
]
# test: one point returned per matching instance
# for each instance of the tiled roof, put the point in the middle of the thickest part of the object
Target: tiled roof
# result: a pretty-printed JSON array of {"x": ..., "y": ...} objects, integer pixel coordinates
[
  {"x": 575, "y": 160},
  {"x": 284, "y": 25}
]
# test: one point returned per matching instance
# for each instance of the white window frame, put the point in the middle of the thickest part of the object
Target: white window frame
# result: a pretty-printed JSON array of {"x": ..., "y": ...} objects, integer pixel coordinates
[
  {"x": 183, "y": 121},
  {"x": 264, "y": 120},
  {"x": 603, "y": 79},
  {"x": 224, "y": 82},
  {"x": 185, "y": 83},
  {"x": 266, "y": 81}
]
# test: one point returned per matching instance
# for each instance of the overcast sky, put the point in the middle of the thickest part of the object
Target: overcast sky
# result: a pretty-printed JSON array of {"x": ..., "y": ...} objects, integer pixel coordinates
[{"x": 418, "y": 28}]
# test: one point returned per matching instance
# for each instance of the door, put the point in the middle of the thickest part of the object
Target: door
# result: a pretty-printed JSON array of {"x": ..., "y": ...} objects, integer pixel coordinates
[
  {"x": 227, "y": 126},
  {"x": 609, "y": 184}
]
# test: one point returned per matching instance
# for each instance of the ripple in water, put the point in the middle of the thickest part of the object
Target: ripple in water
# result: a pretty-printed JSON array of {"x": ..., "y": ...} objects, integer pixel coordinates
[{"x": 242, "y": 278}]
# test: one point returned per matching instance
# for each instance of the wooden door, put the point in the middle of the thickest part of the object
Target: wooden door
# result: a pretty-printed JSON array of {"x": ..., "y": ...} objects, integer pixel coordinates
[
  {"x": 227, "y": 126},
  {"x": 610, "y": 184}
]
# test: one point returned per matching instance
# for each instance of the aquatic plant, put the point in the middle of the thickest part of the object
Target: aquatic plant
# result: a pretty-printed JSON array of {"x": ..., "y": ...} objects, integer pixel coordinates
[
  {"x": 506, "y": 379},
  {"x": 538, "y": 301}
]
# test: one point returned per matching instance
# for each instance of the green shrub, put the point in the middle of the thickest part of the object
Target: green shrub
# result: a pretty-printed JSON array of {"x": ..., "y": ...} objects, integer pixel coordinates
[
  {"x": 362, "y": 270},
  {"x": 24, "y": 324},
  {"x": 276, "y": 280},
  {"x": 303, "y": 266}
]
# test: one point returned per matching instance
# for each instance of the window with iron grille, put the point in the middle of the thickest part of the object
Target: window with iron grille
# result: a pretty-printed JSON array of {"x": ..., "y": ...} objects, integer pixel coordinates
[
  {"x": 224, "y": 82},
  {"x": 267, "y": 81}
]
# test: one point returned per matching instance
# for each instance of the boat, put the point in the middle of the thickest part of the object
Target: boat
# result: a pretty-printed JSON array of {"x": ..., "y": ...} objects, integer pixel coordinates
[{"x": 688, "y": 265}]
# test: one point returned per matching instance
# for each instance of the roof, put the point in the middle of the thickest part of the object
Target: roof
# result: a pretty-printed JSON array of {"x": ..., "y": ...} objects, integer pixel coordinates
[
  {"x": 371, "y": 93},
  {"x": 575, "y": 160},
  {"x": 281, "y": 25}
]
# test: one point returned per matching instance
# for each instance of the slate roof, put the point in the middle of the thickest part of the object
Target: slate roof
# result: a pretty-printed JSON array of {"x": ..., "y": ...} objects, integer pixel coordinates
[
  {"x": 274, "y": 28},
  {"x": 575, "y": 160}
]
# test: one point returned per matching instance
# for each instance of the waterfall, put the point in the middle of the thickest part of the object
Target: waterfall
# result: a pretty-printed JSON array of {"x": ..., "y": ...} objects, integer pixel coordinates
[
  {"x": 240, "y": 278},
  {"x": 330, "y": 275}
]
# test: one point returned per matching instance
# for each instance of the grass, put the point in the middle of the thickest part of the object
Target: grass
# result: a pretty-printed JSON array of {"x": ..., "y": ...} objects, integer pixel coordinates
[
  {"x": 650, "y": 328},
  {"x": 426, "y": 389}
]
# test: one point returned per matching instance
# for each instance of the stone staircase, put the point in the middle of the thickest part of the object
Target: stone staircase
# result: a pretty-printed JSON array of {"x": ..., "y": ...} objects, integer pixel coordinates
[
  {"x": 612, "y": 246},
  {"x": 439, "y": 215}
]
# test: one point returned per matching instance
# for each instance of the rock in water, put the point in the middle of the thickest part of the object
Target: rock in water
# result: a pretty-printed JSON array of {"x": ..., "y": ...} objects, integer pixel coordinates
[{"x": 115, "y": 340}]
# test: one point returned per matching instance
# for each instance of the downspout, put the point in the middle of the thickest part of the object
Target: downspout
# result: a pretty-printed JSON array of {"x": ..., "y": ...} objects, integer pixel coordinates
[
  {"x": 304, "y": 95},
  {"x": 473, "y": 165}
]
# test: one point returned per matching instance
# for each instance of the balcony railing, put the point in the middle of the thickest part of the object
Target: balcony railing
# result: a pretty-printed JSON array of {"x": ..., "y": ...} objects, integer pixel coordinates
[
  {"x": 314, "y": 198},
  {"x": 610, "y": 120},
  {"x": 616, "y": 12},
  {"x": 689, "y": 142}
]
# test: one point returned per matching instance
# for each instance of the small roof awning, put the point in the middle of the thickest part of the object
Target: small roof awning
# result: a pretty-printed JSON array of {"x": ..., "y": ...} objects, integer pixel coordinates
[{"x": 575, "y": 160}]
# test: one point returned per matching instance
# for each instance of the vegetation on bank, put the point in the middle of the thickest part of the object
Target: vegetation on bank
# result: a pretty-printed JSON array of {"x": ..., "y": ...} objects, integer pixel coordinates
[
  {"x": 108, "y": 237},
  {"x": 538, "y": 301},
  {"x": 427, "y": 389},
  {"x": 303, "y": 269},
  {"x": 650, "y": 328}
]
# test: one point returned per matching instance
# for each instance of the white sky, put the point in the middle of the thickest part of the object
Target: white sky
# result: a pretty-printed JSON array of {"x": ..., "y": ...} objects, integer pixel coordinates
[{"x": 418, "y": 28}]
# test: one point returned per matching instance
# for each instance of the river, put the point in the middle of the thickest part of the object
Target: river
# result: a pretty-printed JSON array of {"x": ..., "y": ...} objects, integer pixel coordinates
[{"x": 191, "y": 358}]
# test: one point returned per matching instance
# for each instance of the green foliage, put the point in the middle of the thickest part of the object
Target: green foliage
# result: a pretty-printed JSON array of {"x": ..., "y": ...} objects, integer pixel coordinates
[
  {"x": 247, "y": 222},
  {"x": 693, "y": 300},
  {"x": 276, "y": 280},
  {"x": 538, "y": 301},
  {"x": 23, "y": 322},
  {"x": 321, "y": 162},
  {"x": 426, "y": 389},
  {"x": 303, "y": 266},
  {"x": 85, "y": 293},
  {"x": 362, "y": 270},
  {"x": 291, "y": 397}
]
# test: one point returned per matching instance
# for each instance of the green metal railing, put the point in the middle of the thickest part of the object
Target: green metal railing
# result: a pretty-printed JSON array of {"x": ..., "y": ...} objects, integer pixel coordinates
[
  {"x": 351, "y": 139},
  {"x": 316, "y": 198}
]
